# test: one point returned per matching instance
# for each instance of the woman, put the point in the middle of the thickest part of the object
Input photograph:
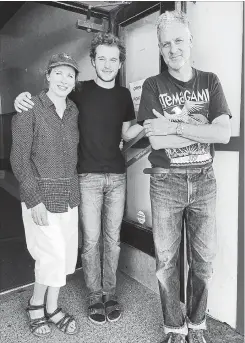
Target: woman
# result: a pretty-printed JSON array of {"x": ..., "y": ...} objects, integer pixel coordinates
[{"x": 44, "y": 158}]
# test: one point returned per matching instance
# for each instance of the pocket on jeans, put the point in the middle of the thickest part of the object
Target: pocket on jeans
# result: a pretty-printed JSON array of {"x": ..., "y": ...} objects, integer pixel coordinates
[
  {"x": 210, "y": 174},
  {"x": 159, "y": 177}
]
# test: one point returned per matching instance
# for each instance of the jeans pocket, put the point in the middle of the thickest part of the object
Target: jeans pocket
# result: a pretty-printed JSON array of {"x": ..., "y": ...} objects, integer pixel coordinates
[
  {"x": 159, "y": 177},
  {"x": 210, "y": 174}
]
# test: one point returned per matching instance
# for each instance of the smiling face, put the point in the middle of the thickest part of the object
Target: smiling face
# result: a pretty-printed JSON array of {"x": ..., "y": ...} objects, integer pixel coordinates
[
  {"x": 107, "y": 62},
  {"x": 61, "y": 80},
  {"x": 175, "y": 43}
]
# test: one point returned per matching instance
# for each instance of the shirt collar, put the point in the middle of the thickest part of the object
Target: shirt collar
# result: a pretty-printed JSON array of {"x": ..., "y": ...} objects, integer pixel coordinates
[{"x": 48, "y": 103}]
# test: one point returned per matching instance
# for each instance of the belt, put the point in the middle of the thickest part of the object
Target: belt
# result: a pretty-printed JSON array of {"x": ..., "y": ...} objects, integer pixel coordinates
[{"x": 159, "y": 170}]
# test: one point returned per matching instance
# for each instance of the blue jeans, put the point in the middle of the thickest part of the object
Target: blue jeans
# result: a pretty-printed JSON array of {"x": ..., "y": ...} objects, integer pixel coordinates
[
  {"x": 102, "y": 203},
  {"x": 190, "y": 193}
]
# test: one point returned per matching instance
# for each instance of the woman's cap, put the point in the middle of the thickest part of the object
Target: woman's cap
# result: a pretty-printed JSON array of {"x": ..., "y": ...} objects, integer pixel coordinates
[{"x": 62, "y": 59}]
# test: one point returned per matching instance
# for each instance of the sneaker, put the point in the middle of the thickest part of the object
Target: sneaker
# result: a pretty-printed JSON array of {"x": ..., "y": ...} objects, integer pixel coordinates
[
  {"x": 174, "y": 338},
  {"x": 196, "y": 336}
]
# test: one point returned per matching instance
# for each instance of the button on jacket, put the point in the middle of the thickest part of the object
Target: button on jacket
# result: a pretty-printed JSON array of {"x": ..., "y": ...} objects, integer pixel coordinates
[{"x": 44, "y": 155}]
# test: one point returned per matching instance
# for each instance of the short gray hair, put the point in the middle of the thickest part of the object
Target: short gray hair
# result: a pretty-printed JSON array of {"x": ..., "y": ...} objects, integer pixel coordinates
[{"x": 168, "y": 18}]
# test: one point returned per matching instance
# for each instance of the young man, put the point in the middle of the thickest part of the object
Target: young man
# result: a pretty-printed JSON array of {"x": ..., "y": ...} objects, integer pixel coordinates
[
  {"x": 192, "y": 115},
  {"x": 105, "y": 114}
]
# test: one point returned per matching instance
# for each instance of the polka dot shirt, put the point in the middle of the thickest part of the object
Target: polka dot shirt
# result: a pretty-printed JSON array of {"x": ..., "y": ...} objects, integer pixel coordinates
[{"x": 44, "y": 155}]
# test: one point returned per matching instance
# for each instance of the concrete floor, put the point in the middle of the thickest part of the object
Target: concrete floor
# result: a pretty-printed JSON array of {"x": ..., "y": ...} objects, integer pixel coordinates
[{"x": 141, "y": 321}]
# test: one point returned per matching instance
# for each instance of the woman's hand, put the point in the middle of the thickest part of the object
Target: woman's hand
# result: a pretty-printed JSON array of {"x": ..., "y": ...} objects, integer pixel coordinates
[{"x": 39, "y": 215}]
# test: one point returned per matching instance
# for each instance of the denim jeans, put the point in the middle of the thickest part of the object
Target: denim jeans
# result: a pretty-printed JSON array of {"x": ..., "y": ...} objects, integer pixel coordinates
[
  {"x": 102, "y": 203},
  {"x": 190, "y": 193}
]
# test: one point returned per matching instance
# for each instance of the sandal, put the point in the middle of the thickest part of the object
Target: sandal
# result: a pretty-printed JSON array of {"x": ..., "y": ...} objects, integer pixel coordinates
[
  {"x": 37, "y": 323},
  {"x": 96, "y": 313},
  {"x": 112, "y": 310},
  {"x": 63, "y": 323}
]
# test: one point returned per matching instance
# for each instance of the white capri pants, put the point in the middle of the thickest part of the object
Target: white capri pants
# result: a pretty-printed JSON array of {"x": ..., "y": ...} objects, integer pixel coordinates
[{"x": 54, "y": 247}]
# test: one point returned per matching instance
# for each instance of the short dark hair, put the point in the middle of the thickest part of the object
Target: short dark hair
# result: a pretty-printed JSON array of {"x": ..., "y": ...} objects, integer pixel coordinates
[{"x": 109, "y": 39}]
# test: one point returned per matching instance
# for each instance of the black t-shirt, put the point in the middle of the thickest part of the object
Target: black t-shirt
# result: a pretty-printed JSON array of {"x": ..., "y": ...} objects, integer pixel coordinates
[
  {"x": 101, "y": 115},
  {"x": 198, "y": 101}
]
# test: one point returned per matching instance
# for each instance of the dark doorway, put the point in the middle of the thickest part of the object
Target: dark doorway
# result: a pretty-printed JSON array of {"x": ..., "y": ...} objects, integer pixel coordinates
[{"x": 16, "y": 264}]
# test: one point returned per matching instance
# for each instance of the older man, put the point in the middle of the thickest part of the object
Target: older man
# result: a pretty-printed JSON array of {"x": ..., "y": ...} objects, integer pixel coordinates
[{"x": 192, "y": 115}]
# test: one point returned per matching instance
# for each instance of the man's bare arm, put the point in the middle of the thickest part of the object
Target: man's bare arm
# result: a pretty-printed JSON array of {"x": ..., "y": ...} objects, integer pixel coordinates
[
  {"x": 130, "y": 131},
  {"x": 219, "y": 131}
]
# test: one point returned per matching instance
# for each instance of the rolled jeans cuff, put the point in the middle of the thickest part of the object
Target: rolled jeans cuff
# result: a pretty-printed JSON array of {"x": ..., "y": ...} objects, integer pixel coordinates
[
  {"x": 182, "y": 330},
  {"x": 198, "y": 326},
  {"x": 95, "y": 297}
]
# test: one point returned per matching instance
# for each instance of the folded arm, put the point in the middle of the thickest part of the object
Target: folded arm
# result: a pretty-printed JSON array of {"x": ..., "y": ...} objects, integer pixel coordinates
[
  {"x": 219, "y": 131},
  {"x": 150, "y": 111},
  {"x": 160, "y": 130}
]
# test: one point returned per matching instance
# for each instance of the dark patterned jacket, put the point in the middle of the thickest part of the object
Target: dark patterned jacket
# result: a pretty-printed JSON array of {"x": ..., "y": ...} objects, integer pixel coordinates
[{"x": 44, "y": 155}]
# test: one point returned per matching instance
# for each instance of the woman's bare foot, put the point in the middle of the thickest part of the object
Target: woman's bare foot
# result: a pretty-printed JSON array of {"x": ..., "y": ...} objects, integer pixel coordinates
[
  {"x": 69, "y": 324},
  {"x": 36, "y": 311}
]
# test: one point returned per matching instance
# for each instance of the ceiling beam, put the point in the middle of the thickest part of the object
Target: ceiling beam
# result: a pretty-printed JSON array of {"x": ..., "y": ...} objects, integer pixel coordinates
[{"x": 75, "y": 6}]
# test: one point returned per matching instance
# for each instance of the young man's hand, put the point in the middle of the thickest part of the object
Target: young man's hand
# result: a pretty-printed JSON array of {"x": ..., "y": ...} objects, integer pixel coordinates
[
  {"x": 39, "y": 214},
  {"x": 23, "y": 102}
]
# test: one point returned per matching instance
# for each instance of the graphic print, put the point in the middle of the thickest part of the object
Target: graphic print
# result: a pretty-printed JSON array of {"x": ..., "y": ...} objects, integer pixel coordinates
[{"x": 189, "y": 112}]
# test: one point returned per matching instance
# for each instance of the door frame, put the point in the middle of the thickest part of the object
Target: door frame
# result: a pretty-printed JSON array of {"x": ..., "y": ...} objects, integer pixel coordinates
[{"x": 132, "y": 233}]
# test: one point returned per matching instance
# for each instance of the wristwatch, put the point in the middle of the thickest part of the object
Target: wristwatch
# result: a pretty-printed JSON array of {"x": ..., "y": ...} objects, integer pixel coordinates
[{"x": 179, "y": 129}]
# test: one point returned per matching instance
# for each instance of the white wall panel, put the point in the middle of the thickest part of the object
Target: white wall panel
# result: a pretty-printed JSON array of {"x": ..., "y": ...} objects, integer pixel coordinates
[
  {"x": 217, "y": 29},
  {"x": 223, "y": 288}
]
